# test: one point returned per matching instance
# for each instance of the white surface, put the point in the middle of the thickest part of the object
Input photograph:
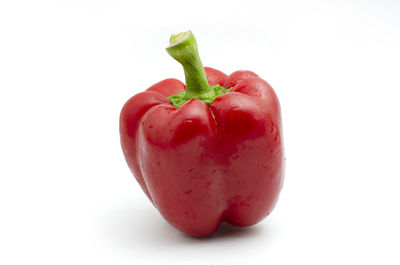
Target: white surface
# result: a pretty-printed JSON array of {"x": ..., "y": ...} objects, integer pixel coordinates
[{"x": 67, "y": 67}]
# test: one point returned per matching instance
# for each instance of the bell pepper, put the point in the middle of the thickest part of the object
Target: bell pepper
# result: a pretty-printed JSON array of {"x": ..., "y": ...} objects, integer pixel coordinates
[{"x": 207, "y": 152}]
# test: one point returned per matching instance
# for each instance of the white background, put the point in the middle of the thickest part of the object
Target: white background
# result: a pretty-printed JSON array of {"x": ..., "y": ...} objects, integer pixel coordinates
[{"x": 67, "y": 67}]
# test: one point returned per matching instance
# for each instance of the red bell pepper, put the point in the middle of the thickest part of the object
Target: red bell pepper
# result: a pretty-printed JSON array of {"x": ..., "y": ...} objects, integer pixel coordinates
[{"x": 208, "y": 152}]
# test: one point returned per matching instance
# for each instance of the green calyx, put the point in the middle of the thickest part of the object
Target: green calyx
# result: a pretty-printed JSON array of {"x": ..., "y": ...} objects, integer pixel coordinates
[
  {"x": 183, "y": 48},
  {"x": 178, "y": 99}
]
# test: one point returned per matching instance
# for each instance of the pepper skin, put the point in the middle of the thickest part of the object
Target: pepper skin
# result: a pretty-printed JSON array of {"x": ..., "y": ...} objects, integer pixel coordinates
[{"x": 204, "y": 164}]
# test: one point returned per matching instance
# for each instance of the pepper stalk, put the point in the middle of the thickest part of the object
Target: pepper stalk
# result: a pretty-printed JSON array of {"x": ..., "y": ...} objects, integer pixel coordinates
[{"x": 183, "y": 48}]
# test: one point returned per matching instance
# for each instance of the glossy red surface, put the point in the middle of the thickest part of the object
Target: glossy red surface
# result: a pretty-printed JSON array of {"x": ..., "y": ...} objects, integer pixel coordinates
[{"x": 201, "y": 165}]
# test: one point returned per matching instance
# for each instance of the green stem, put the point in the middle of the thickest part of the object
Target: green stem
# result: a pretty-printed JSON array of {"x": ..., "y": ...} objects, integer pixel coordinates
[{"x": 183, "y": 48}]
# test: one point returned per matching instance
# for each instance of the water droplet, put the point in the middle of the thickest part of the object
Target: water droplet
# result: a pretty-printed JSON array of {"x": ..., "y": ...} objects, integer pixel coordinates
[{"x": 234, "y": 157}]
